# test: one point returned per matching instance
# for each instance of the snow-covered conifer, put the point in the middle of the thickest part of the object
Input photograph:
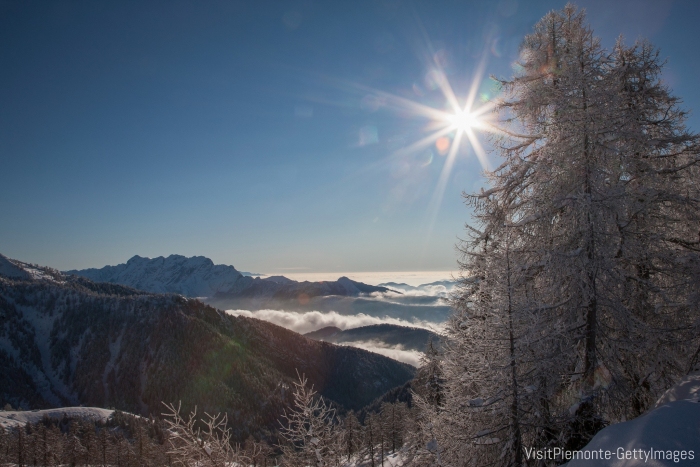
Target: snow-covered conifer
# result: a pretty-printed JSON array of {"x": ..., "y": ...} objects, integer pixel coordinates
[{"x": 577, "y": 307}]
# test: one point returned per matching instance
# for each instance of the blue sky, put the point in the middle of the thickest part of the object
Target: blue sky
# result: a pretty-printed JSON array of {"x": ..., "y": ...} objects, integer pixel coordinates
[{"x": 247, "y": 131}]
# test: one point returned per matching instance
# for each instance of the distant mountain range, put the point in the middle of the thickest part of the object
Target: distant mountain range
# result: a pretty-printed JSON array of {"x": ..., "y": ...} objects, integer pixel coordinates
[
  {"x": 67, "y": 340},
  {"x": 390, "y": 334},
  {"x": 200, "y": 277}
]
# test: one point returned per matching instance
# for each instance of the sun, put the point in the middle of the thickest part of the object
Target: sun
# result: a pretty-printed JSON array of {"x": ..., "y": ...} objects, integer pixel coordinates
[
  {"x": 463, "y": 120},
  {"x": 456, "y": 124}
]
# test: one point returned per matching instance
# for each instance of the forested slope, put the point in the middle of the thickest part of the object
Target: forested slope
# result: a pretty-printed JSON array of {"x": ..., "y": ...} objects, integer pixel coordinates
[{"x": 68, "y": 341}]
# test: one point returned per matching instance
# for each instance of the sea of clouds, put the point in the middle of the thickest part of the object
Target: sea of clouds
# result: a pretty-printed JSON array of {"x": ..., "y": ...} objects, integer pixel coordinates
[
  {"x": 405, "y": 305},
  {"x": 397, "y": 352},
  {"x": 303, "y": 322}
]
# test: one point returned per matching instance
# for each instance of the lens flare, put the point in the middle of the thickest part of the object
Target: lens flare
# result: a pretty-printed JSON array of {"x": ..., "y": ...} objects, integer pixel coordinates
[{"x": 442, "y": 144}]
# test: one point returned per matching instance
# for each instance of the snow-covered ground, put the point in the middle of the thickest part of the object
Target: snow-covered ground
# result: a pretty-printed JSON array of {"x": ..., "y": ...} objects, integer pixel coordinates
[
  {"x": 12, "y": 419},
  {"x": 668, "y": 435},
  {"x": 687, "y": 388}
]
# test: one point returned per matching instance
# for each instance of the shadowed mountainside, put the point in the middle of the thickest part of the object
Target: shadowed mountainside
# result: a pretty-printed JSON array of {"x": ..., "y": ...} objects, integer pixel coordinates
[{"x": 67, "y": 341}]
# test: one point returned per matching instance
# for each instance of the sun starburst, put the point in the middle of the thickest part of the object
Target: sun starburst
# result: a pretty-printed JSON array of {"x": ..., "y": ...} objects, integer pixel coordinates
[{"x": 448, "y": 129}]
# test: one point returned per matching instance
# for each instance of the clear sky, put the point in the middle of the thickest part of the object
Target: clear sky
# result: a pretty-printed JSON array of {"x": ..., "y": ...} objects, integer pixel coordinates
[{"x": 255, "y": 133}]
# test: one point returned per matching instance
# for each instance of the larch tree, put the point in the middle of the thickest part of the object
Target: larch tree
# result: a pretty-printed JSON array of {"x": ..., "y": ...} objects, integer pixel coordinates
[
  {"x": 4, "y": 446},
  {"x": 656, "y": 260},
  {"x": 371, "y": 438},
  {"x": 394, "y": 421},
  {"x": 194, "y": 446},
  {"x": 73, "y": 450},
  {"x": 310, "y": 431},
  {"x": 352, "y": 436},
  {"x": 498, "y": 358},
  {"x": 258, "y": 452},
  {"x": 579, "y": 304}
]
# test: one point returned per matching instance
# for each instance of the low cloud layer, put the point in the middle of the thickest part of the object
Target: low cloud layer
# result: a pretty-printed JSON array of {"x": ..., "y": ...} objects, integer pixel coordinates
[
  {"x": 442, "y": 290},
  {"x": 419, "y": 307},
  {"x": 409, "y": 297},
  {"x": 412, "y": 357},
  {"x": 304, "y": 322}
]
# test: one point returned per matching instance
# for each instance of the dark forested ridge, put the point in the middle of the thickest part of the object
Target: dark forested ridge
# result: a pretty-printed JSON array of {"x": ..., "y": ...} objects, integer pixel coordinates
[{"x": 67, "y": 341}]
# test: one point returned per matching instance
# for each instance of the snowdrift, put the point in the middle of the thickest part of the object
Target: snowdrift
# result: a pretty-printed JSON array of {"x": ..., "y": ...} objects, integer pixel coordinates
[{"x": 657, "y": 438}]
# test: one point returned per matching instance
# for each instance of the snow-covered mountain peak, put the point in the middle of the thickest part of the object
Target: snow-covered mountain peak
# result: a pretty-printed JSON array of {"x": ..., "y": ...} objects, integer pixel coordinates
[
  {"x": 172, "y": 260},
  {"x": 198, "y": 276},
  {"x": 137, "y": 259},
  {"x": 349, "y": 284},
  {"x": 195, "y": 276}
]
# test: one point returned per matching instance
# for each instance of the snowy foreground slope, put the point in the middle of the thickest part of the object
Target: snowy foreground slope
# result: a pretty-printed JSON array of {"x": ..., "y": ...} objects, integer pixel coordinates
[{"x": 669, "y": 429}]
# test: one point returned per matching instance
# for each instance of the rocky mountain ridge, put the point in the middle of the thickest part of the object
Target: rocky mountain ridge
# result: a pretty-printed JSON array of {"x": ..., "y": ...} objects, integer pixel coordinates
[{"x": 198, "y": 276}]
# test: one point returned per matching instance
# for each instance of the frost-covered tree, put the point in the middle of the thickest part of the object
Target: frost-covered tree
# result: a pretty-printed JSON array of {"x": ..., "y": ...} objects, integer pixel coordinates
[
  {"x": 497, "y": 361},
  {"x": 89, "y": 441},
  {"x": 4, "y": 446},
  {"x": 310, "y": 430},
  {"x": 48, "y": 446},
  {"x": 73, "y": 450},
  {"x": 193, "y": 446},
  {"x": 120, "y": 450},
  {"x": 258, "y": 452},
  {"x": 429, "y": 378},
  {"x": 578, "y": 305},
  {"x": 352, "y": 435},
  {"x": 394, "y": 416},
  {"x": 656, "y": 260},
  {"x": 371, "y": 438}
]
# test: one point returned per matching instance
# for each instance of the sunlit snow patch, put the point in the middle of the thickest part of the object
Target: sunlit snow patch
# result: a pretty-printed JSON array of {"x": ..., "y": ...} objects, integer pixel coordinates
[
  {"x": 13, "y": 419},
  {"x": 657, "y": 438}
]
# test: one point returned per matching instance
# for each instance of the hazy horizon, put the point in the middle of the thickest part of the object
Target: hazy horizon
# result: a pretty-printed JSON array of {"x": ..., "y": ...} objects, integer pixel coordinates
[{"x": 413, "y": 278}]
